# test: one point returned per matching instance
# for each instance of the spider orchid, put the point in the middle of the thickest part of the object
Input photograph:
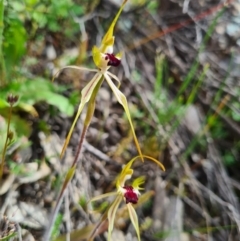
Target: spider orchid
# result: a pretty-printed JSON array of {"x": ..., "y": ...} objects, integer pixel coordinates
[
  {"x": 103, "y": 58},
  {"x": 128, "y": 193}
]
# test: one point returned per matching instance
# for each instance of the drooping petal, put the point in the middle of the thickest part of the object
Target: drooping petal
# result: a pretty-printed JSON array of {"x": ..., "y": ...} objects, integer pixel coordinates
[
  {"x": 73, "y": 67},
  {"x": 129, "y": 164},
  {"x": 109, "y": 194},
  {"x": 154, "y": 160},
  {"x": 108, "y": 39},
  {"x": 111, "y": 215},
  {"x": 127, "y": 172},
  {"x": 134, "y": 219},
  {"x": 123, "y": 101},
  {"x": 86, "y": 94},
  {"x": 114, "y": 77}
]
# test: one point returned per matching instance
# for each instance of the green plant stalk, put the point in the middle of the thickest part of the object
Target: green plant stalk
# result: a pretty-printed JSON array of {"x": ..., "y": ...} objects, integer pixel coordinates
[
  {"x": 193, "y": 70},
  {"x": 6, "y": 143},
  {"x": 159, "y": 65},
  {"x": 190, "y": 100},
  {"x": 217, "y": 98},
  {"x": 193, "y": 94},
  {"x": 2, "y": 62},
  {"x": 71, "y": 171},
  {"x": 208, "y": 116},
  {"x": 194, "y": 67}
]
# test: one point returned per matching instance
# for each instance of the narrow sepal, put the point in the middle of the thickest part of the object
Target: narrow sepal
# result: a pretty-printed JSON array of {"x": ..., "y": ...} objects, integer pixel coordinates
[
  {"x": 109, "y": 194},
  {"x": 108, "y": 39},
  {"x": 86, "y": 94},
  {"x": 134, "y": 219},
  {"x": 123, "y": 101},
  {"x": 111, "y": 215}
]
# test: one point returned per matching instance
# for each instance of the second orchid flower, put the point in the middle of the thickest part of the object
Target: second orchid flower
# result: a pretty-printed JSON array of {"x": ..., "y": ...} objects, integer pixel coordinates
[{"x": 127, "y": 193}]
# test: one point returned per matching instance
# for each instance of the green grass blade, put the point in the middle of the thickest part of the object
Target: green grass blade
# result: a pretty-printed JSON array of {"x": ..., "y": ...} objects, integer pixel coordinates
[{"x": 196, "y": 63}]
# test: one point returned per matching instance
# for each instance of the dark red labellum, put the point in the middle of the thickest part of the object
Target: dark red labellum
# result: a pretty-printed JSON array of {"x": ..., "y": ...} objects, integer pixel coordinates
[
  {"x": 113, "y": 61},
  {"x": 130, "y": 195}
]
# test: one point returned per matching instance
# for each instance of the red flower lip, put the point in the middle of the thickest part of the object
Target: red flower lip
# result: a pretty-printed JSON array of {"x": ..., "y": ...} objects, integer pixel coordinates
[
  {"x": 130, "y": 195},
  {"x": 113, "y": 61}
]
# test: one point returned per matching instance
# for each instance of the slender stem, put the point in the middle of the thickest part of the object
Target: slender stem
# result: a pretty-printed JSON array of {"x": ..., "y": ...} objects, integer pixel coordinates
[
  {"x": 96, "y": 228},
  {"x": 90, "y": 112},
  {"x": 80, "y": 144},
  {"x": 6, "y": 143}
]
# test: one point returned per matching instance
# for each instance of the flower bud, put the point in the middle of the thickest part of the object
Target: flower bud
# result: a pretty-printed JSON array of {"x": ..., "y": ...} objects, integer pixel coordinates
[
  {"x": 12, "y": 99},
  {"x": 10, "y": 135}
]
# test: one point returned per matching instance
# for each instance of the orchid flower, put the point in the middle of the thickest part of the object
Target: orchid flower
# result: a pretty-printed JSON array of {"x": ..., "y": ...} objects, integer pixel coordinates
[
  {"x": 128, "y": 193},
  {"x": 103, "y": 58}
]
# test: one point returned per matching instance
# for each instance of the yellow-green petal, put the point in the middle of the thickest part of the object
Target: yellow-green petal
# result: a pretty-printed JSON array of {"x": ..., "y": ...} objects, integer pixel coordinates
[
  {"x": 109, "y": 194},
  {"x": 114, "y": 77},
  {"x": 129, "y": 164},
  {"x": 155, "y": 160},
  {"x": 138, "y": 182},
  {"x": 121, "y": 98},
  {"x": 96, "y": 53},
  {"x": 108, "y": 39},
  {"x": 86, "y": 94},
  {"x": 111, "y": 215},
  {"x": 125, "y": 174},
  {"x": 73, "y": 67},
  {"x": 134, "y": 219}
]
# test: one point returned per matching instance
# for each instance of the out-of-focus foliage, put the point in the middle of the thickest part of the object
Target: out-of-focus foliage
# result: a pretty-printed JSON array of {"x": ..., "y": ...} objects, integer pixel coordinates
[
  {"x": 30, "y": 92},
  {"x": 35, "y": 90},
  {"x": 14, "y": 39},
  {"x": 23, "y": 21},
  {"x": 54, "y": 15}
]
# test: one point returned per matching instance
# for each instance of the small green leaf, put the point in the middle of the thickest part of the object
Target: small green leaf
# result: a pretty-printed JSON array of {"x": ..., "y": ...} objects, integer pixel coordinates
[
  {"x": 56, "y": 226},
  {"x": 18, "y": 6},
  {"x": 28, "y": 108},
  {"x": 61, "y": 102},
  {"x": 8, "y": 237}
]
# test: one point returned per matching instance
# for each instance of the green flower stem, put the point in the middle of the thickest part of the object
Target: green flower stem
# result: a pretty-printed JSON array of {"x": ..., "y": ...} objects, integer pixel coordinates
[
  {"x": 6, "y": 143},
  {"x": 71, "y": 171}
]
